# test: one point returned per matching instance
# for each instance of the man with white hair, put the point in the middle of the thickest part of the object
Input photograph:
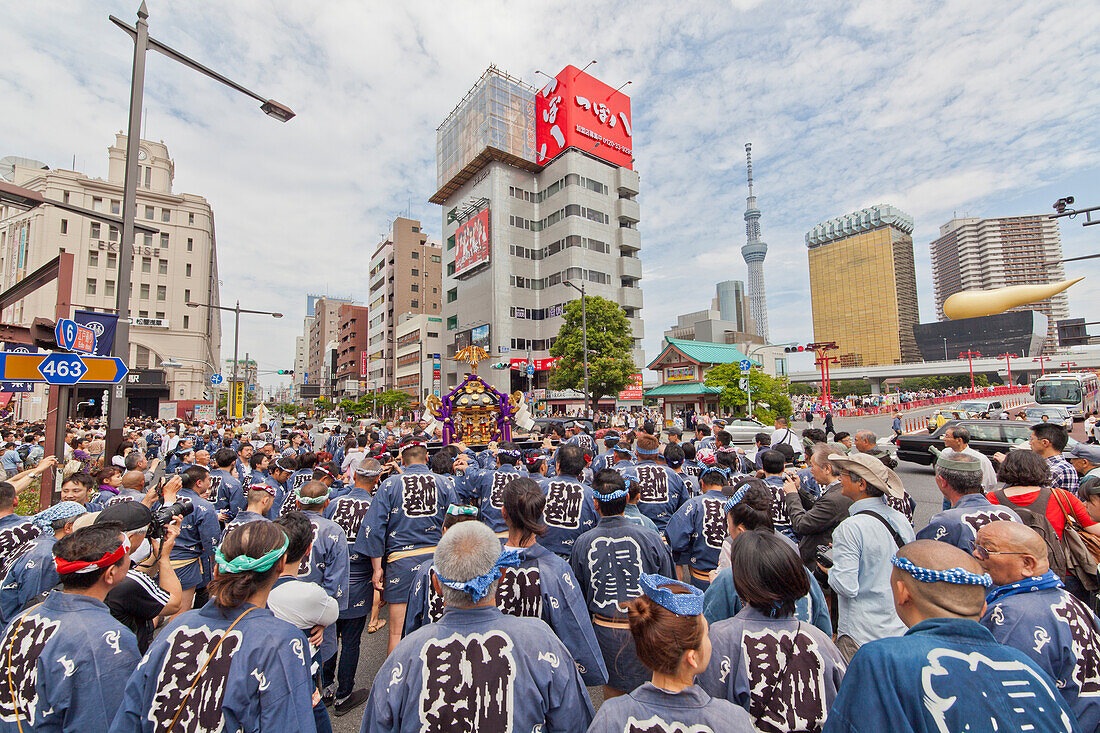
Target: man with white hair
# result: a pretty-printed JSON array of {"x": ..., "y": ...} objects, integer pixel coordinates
[{"x": 519, "y": 673}]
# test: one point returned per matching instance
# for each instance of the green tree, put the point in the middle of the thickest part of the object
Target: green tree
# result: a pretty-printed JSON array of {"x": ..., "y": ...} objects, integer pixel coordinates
[
  {"x": 766, "y": 390},
  {"x": 394, "y": 401},
  {"x": 610, "y": 340}
]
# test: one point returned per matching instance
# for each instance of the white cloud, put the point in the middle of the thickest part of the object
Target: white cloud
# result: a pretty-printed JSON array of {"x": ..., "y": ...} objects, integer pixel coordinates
[{"x": 983, "y": 107}]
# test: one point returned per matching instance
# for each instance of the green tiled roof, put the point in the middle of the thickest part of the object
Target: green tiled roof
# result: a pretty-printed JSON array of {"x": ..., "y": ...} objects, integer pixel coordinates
[
  {"x": 704, "y": 352},
  {"x": 685, "y": 388}
]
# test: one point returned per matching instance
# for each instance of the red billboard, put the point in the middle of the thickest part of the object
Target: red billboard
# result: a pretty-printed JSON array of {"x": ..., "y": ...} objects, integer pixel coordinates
[
  {"x": 362, "y": 363},
  {"x": 576, "y": 110},
  {"x": 472, "y": 242},
  {"x": 539, "y": 364},
  {"x": 634, "y": 391}
]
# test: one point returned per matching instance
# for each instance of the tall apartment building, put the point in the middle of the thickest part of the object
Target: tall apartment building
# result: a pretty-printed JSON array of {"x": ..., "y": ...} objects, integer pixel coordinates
[
  {"x": 174, "y": 266},
  {"x": 323, "y": 330},
  {"x": 980, "y": 254},
  {"x": 301, "y": 364},
  {"x": 351, "y": 350},
  {"x": 863, "y": 286},
  {"x": 405, "y": 279},
  {"x": 417, "y": 346},
  {"x": 537, "y": 188}
]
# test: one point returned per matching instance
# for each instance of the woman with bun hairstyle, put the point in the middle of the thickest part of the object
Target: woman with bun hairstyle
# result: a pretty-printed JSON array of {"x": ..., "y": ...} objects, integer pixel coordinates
[
  {"x": 749, "y": 510},
  {"x": 783, "y": 671},
  {"x": 230, "y": 665},
  {"x": 670, "y": 636}
]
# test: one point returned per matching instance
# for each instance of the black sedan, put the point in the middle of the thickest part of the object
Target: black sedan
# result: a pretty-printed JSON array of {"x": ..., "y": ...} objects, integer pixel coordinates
[{"x": 986, "y": 436}]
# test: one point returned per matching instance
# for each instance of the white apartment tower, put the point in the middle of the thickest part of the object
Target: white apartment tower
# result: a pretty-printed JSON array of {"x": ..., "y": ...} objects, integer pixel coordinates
[
  {"x": 573, "y": 216},
  {"x": 981, "y": 254}
]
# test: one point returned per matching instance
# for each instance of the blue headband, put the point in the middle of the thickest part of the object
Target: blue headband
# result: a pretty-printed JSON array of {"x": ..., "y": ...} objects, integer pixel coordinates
[
  {"x": 610, "y": 497},
  {"x": 622, "y": 449},
  {"x": 733, "y": 500},
  {"x": 954, "y": 575},
  {"x": 512, "y": 453},
  {"x": 681, "y": 604},
  {"x": 64, "y": 510},
  {"x": 477, "y": 588},
  {"x": 645, "y": 452}
]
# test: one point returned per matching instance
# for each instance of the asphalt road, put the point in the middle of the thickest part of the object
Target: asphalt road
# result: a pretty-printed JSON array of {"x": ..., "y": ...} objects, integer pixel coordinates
[{"x": 919, "y": 481}]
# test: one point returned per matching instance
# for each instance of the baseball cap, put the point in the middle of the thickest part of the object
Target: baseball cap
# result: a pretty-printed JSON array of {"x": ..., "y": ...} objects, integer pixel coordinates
[
  {"x": 132, "y": 515},
  {"x": 1090, "y": 453}
]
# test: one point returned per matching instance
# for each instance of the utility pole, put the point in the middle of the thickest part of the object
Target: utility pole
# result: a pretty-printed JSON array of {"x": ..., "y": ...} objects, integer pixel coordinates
[{"x": 970, "y": 354}]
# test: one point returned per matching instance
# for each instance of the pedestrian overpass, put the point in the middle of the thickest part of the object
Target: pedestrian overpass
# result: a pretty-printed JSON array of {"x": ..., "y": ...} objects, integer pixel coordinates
[{"x": 1082, "y": 359}]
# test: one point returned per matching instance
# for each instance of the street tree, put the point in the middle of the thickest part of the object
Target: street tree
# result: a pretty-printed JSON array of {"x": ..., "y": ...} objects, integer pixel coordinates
[
  {"x": 769, "y": 394},
  {"x": 610, "y": 340}
]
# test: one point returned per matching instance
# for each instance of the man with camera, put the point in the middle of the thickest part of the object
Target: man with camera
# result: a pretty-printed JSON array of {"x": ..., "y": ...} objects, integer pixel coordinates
[{"x": 150, "y": 588}]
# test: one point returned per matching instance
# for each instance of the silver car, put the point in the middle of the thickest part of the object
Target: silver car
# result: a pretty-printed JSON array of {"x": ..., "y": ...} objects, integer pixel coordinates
[
  {"x": 1056, "y": 415},
  {"x": 743, "y": 430}
]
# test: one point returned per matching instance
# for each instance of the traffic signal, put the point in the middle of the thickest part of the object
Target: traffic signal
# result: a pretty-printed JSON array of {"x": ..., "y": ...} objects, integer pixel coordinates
[
  {"x": 286, "y": 371},
  {"x": 793, "y": 349},
  {"x": 500, "y": 365}
]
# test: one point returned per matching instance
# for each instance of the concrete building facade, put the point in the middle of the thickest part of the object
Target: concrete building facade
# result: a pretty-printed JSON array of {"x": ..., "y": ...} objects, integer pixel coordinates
[
  {"x": 573, "y": 219},
  {"x": 405, "y": 278},
  {"x": 351, "y": 350},
  {"x": 418, "y": 341},
  {"x": 982, "y": 254},
  {"x": 870, "y": 250},
  {"x": 323, "y": 334},
  {"x": 174, "y": 266}
]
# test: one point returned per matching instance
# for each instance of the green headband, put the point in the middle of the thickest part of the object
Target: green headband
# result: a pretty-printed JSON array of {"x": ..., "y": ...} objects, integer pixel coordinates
[
  {"x": 953, "y": 464},
  {"x": 309, "y": 499},
  {"x": 244, "y": 563}
]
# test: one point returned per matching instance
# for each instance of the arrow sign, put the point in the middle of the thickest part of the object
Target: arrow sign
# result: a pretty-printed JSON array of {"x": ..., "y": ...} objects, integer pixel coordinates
[
  {"x": 72, "y": 336},
  {"x": 216, "y": 379},
  {"x": 57, "y": 368},
  {"x": 744, "y": 365}
]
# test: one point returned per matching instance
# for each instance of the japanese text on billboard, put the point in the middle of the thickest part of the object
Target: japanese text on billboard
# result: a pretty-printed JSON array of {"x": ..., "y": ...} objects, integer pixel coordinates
[
  {"x": 472, "y": 242},
  {"x": 578, "y": 110}
]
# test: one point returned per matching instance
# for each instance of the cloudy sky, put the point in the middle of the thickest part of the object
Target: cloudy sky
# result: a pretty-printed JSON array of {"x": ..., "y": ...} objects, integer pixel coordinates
[{"x": 980, "y": 108}]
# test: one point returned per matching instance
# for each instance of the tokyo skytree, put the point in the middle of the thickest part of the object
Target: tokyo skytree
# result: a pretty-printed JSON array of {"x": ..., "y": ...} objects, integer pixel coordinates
[{"x": 754, "y": 253}]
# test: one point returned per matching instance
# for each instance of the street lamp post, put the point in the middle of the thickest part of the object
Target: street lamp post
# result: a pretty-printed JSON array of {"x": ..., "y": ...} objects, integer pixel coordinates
[
  {"x": 237, "y": 311},
  {"x": 1008, "y": 365},
  {"x": 944, "y": 347},
  {"x": 1042, "y": 363},
  {"x": 1067, "y": 364},
  {"x": 139, "y": 32},
  {"x": 584, "y": 344},
  {"x": 970, "y": 354}
]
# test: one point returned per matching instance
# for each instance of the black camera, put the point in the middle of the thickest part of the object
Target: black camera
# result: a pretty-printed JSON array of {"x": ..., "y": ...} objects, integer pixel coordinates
[{"x": 165, "y": 514}]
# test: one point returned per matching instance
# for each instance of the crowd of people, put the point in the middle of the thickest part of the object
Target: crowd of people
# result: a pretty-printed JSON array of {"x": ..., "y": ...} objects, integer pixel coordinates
[
  {"x": 813, "y": 404},
  {"x": 205, "y": 577}
]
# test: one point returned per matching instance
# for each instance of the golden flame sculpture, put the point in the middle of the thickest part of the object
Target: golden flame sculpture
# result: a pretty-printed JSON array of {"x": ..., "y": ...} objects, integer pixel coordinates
[{"x": 975, "y": 303}]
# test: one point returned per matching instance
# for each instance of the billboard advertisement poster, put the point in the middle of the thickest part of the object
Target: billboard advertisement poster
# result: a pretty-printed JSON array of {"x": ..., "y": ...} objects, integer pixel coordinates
[
  {"x": 362, "y": 364},
  {"x": 479, "y": 336},
  {"x": 539, "y": 364},
  {"x": 634, "y": 391},
  {"x": 472, "y": 243},
  {"x": 166, "y": 411},
  {"x": 576, "y": 110},
  {"x": 204, "y": 412},
  {"x": 680, "y": 374}
]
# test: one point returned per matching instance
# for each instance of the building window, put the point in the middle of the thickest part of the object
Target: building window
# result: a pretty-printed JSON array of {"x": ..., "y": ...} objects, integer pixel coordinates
[
  {"x": 94, "y": 233},
  {"x": 143, "y": 314},
  {"x": 144, "y": 291},
  {"x": 89, "y": 286},
  {"x": 160, "y": 315},
  {"x": 437, "y": 258},
  {"x": 187, "y": 321},
  {"x": 187, "y": 296},
  {"x": 190, "y": 244},
  {"x": 112, "y": 233},
  {"x": 416, "y": 255},
  {"x": 451, "y": 242},
  {"x": 162, "y": 292},
  {"x": 165, "y": 215},
  {"x": 450, "y": 268},
  {"x": 452, "y": 323},
  {"x": 433, "y": 334},
  {"x": 164, "y": 240},
  {"x": 116, "y": 206},
  {"x": 414, "y": 288},
  {"x": 97, "y": 203},
  {"x": 141, "y": 357},
  {"x": 148, "y": 183},
  {"x": 188, "y": 269},
  {"x": 109, "y": 288},
  {"x": 147, "y": 238},
  {"x": 149, "y": 211},
  {"x": 93, "y": 258},
  {"x": 146, "y": 264},
  {"x": 112, "y": 260},
  {"x": 415, "y": 272},
  {"x": 452, "y": 295},
  {"x": 65, "y": 197},
  {"x": 162, "y": 267},
  {"x": 190, "y": 218},
  {"x": 415, "y": 304},
  {"x": 64, "y": 226}
]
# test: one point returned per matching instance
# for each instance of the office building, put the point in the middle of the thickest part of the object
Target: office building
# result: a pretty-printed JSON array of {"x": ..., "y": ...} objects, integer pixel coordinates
[
  {"x": 863, "y": 286},
  {"x": 301, "y": 365},
  {"x": 351, "y": 351},
  {"x": 324, "y": 325},
  {"x": 405, "y": 278},
  {"x": 1021, "y": 333},
  {"x": 177, "y": 264},
  {"x": 537, "y": 189},
  {"x": 417, "y": 356},
  {"x": 982, "y": 254},
  {"x": 754, "y": 252},
  {"x": 727, "y": 321}
]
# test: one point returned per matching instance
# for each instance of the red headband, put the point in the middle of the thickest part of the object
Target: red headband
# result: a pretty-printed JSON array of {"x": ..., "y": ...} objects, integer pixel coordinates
[{"x": 67, "y": 567}]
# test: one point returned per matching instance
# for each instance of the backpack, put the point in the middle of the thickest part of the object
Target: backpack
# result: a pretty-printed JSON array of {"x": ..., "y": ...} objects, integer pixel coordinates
[
  {"x": 1034, "y": 515},
  {"x": 23, "y": 451}
]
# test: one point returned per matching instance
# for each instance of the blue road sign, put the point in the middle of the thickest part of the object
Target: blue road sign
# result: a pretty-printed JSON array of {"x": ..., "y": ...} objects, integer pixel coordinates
[
  {"x": 72, "y": 336},
  {"x": 530, "y": 370},
  {"x": 62, "y": 368},
  {"x": 216, "y": 379},
  {"x": 744, "y": 365}
]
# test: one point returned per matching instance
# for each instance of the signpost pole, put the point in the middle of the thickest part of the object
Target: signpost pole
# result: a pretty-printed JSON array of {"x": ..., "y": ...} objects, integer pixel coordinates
[{"x": 58, "y": 403}]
